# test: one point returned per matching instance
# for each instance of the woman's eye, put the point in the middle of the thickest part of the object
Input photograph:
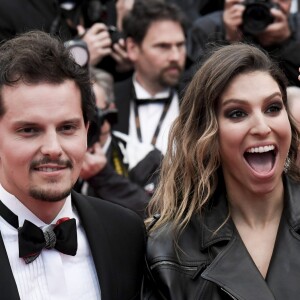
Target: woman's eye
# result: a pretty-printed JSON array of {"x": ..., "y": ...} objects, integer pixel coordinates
[
  {"x": 235, "y": 114},
  {"x": 274, "y": 108}
]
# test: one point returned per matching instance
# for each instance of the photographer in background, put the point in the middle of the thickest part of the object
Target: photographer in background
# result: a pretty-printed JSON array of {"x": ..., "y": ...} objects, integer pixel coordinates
[
  {"x": 104, "y": 38},
  {"x": 91, "y": 21},
  {"x": 280, "y": 36},
  {"x": 105, "y": 172}
]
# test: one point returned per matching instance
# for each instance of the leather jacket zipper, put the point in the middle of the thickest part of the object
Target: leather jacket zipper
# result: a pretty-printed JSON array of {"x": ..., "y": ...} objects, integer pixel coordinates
[
  {"x": 169, "y": 263},
  {"x": 228, "y": 293}
]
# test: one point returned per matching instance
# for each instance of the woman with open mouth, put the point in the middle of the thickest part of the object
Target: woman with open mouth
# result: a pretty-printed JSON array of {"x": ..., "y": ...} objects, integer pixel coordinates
[{"x": 225, "y": 221}]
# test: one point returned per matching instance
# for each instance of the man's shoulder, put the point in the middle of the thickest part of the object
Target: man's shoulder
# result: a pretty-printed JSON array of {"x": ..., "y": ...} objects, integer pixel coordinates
[
  {"x": 123, "y": 86},
  {"x": 104, "y": 209}
]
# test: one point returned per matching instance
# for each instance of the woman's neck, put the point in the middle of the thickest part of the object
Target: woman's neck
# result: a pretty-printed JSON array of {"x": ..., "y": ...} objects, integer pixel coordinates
[{"x": 256, "y": 210}]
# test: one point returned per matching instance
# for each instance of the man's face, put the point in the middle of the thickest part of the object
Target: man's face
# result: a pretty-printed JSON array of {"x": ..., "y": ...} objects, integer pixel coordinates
[
  {"x": 42, "y": 140},
  {"x": 159, "y": 60}
]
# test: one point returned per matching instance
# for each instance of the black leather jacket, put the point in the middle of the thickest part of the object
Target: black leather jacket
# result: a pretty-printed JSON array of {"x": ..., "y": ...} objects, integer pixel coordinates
[{"x": 209, "y": 266}]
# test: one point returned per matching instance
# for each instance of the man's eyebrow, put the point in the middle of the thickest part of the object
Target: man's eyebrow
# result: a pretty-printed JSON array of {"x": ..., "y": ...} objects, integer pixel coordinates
[
  {"x": 24, "y": 123},
  {"x": 30, "y": 123},
  {"x": 74, "y": 121}
]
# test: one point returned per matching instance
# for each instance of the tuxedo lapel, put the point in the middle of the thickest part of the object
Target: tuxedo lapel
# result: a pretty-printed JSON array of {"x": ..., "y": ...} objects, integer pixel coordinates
[
  {"x": 8, "y": 286},
  {"x": 100, "y": 245},
  {"x": 123, "y": 99},
  {"x": 236, "y": 274}
]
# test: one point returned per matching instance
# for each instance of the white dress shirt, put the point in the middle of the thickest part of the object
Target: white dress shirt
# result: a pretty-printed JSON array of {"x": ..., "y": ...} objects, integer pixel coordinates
[
  {"x": 53, "y": 275},
  {"x": 149, "y": 116}
]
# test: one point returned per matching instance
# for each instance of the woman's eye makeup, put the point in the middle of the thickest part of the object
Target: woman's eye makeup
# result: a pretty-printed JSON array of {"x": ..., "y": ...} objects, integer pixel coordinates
[
  {"x": 235, "y": 113},
  {"x": 275, "y": 107}
]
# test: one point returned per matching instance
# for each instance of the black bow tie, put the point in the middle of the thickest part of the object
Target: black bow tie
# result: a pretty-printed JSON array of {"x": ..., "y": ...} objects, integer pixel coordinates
[
  {"x": 164, "y": 100},
  {"x": 152, "y": 100},
  {"x": 32, "y": 240}
]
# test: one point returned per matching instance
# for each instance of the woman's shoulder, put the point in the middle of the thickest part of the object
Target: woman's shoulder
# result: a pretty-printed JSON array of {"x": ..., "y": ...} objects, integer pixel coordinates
[{"x": 168, "y": 243}]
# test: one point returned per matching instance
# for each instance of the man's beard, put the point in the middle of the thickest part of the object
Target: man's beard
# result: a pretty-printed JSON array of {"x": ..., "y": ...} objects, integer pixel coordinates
[
  {"x": 169, "y": 81},
  {"x": 49, "y": 196}
]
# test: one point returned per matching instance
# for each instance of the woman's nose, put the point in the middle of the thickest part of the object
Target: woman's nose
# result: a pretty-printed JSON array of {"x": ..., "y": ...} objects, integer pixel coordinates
[{"x": 260, "y": 126}]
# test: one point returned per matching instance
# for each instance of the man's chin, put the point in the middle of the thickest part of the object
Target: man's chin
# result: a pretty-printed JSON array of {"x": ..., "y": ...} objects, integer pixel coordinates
[
  {"x": 170, "y": 81},
  {"x": 49, "y": 195}
]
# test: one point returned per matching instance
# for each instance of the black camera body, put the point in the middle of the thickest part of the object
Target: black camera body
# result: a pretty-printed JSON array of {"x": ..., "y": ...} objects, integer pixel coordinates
[
  {"x": 114, "y": 34},
  {"x": 257, "y": 16}
]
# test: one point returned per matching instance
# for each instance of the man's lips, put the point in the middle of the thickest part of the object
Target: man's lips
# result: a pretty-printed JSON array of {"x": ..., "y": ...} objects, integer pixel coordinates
[
  {"x": 49, "y": 169},
  {"x": 173, "y": 69},
  {"x": 46, "y": 165}
]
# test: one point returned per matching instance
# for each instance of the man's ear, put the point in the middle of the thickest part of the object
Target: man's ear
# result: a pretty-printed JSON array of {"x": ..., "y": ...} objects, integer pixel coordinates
[{"x": 133, "y": 49}]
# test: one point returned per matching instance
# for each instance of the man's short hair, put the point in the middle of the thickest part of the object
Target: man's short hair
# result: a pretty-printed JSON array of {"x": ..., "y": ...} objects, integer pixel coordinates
[
  {"x": 144, "y": 12},
  {"x": 37, "y": 57}
]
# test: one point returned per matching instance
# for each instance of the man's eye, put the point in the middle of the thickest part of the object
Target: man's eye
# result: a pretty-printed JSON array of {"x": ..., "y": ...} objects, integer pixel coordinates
[
  {"x": 28, "y": 130},
  {"x": 68, "y": 128},
  {"x": 164, "y": 46}
]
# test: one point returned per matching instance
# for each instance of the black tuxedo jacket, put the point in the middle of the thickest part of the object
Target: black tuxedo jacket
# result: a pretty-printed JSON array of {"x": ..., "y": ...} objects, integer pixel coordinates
[
  {"x": 123, "y": 97},
  {"x": 116, "y": 238}
]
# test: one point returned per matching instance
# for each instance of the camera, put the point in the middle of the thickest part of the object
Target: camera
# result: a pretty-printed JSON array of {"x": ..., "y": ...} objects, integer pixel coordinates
[
  {"x": 79, "y": 50},
  {"x": 257, "y": 16},
  {"x": 101, "y": 115},
  {"x": 115, "y": 35}
]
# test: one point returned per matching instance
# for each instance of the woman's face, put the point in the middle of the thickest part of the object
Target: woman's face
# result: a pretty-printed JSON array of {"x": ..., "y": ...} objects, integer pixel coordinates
[{"x": 254, "y": 133}]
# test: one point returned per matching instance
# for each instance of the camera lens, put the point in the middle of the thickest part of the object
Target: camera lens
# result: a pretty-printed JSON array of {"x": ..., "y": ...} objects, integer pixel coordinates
[{"x": 256, "y": 18}]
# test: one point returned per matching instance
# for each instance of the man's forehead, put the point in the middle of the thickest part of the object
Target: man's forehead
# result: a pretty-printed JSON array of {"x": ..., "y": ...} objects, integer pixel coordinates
[
  {"x": 161, "y": 24},
  {"x": 41, "y": 94}
]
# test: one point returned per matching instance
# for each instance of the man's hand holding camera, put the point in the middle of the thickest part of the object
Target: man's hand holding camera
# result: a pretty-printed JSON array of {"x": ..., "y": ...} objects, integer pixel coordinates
[
  {"x": 98, "y": 41},
  {"x": 119, "y": 54},
  {"x": 265, "y": 20},
  {"x": 102, "y": 41},
  {"x": 233, "y": 19},
  {"x": 278, "y": 31}
]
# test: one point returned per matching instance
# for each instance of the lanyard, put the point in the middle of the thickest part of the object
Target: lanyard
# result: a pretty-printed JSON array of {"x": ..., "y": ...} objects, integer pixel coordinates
[
  {"x": 117, "y": 160},
  {"x": 161, "y": 119}
]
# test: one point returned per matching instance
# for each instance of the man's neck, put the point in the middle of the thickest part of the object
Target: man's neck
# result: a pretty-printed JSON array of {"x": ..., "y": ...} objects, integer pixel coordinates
[{"x": 152, "y": 88}]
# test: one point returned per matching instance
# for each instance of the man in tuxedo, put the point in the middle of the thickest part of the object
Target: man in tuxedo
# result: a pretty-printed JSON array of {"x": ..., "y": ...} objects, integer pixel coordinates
[
  {"x": 148, "y": 102},
  {"x": 55, "y": 243},
  {"x": 103, "y": 173}
]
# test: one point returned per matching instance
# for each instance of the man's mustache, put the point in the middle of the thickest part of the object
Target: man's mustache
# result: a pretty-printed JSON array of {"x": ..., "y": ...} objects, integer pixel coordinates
[
  {"x": 173, "y": 66},
  {"x": 46, "y": 160}
]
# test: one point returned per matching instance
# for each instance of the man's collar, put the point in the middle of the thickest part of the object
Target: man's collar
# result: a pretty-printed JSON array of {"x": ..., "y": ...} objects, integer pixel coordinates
[
  {"x": 23, "y": 212},
  {"x": 142, "y": 93}
]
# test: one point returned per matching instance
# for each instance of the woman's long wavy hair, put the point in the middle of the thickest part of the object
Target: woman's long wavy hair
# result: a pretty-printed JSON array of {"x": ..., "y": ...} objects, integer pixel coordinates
[{"x": 192, "y": 162}]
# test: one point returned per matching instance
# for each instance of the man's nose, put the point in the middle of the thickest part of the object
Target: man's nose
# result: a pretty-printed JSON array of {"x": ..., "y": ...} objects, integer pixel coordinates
[
  {"x": 51, "y": 145},
  {"x": 175, "y": 53}
]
